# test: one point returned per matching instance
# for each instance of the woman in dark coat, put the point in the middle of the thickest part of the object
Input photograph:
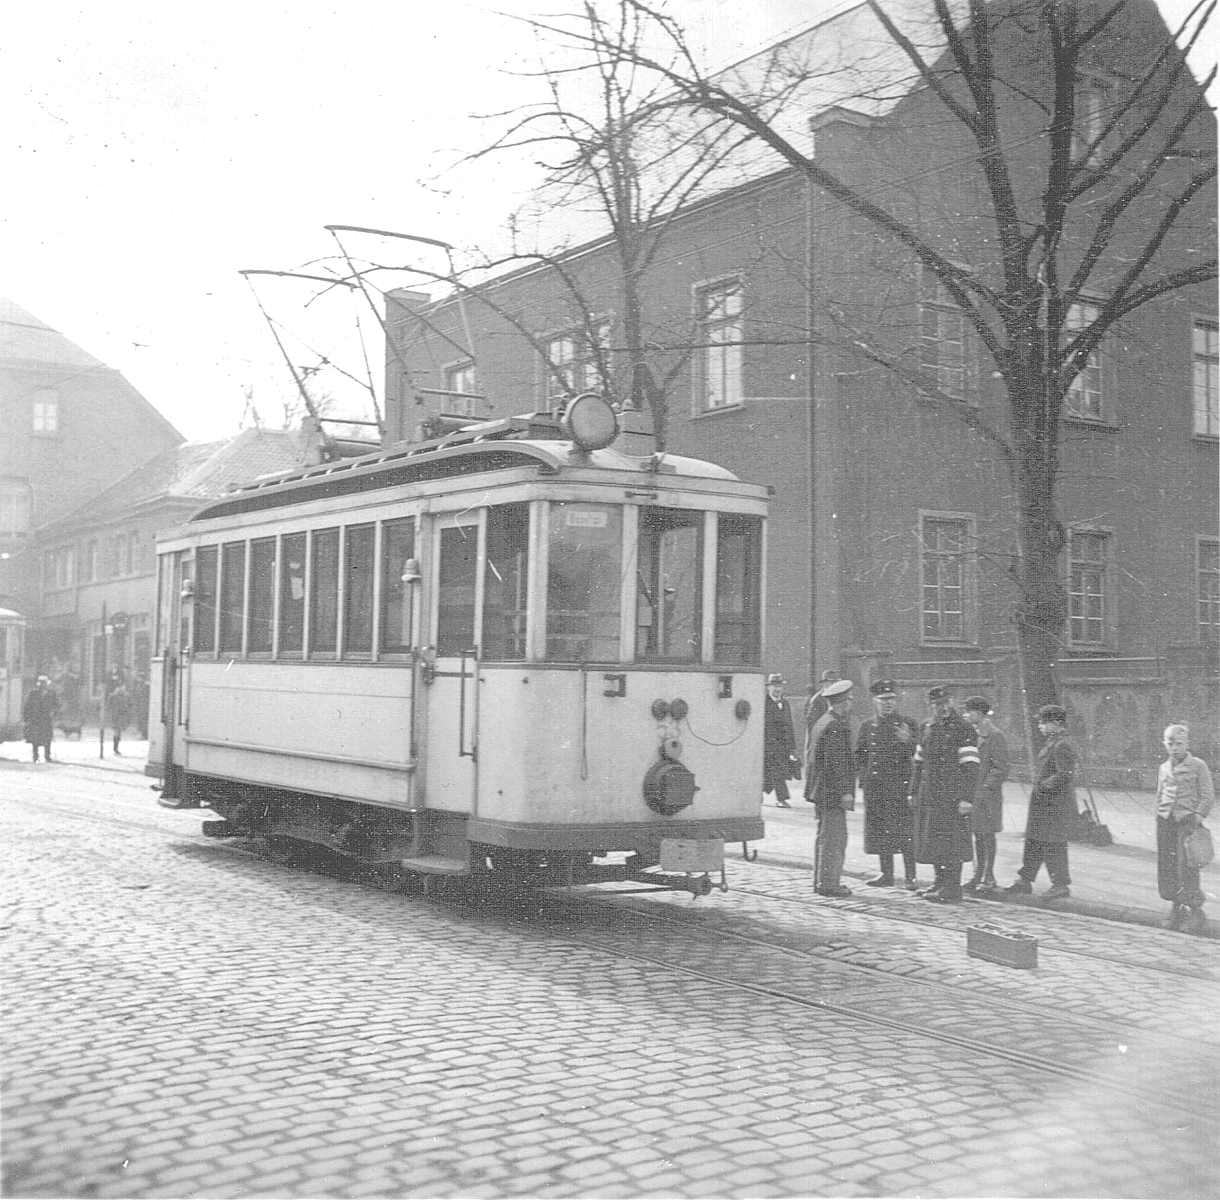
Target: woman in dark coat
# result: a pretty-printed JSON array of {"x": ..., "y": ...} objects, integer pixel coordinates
[
  {"x": 987, "y": 815},
  {"x": 118, "y": 706},
  {"x": 1052, "y": 809},
  {"x": 38, "y": 712}
]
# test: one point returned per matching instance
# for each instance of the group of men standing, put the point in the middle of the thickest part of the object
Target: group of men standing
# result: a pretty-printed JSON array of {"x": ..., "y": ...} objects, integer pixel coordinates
[{"x": 932, "y": 792}]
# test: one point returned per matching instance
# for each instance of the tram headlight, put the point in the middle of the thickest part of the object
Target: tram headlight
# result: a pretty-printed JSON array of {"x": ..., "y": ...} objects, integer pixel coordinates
[
  {"x": 660, "y": 709},
  {"x": 678, "y": 709},
  {"x": 590, "y": 421},
  {"x": 742, "y": 709}
]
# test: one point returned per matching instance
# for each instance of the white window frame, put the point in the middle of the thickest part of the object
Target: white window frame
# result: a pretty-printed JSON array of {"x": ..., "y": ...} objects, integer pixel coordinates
[
  {"x": 571, "y": 354},
  {"x": 461, "y": 376},
  {"x": 1204, "y": 378},
  {"x": 44, "y": 412},
  {"x": 1090, "y": 381},
  {"x": 1096, "y": 582},
  {"x": 968, "y": 586},
  {"x": 1207, "y": 589},
  {"x": 16, "y": 508},
  {"x": 719, "y": 374},
  {"x": 953, "y": 373}
]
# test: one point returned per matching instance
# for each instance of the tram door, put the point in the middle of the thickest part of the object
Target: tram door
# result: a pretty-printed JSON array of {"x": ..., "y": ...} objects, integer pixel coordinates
[
  {"x": 170, "y": 731},
  {"x": 452, "y": 698}
]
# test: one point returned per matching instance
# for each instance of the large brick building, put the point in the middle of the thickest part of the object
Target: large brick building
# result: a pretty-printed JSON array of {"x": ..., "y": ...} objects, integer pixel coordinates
[{"x": 894, "y": 515}]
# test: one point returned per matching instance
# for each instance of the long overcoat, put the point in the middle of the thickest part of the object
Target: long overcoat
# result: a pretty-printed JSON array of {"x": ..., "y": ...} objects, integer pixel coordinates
[
  {"x": 1052, "y": 803},
  {"x": 779, "y": 742},
  {"x": 946, "y": 773},
  {"x": 830, "y": 766},
  {"x": 987, "y": 816},
  {"x": 884, "y": 749},
  {"x": 38, "y": 712}
]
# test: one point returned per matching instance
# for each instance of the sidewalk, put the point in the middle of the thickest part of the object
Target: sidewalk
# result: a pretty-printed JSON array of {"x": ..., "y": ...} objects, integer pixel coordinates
[
  {"x": 1117, "y": 883},
  {"x": 84, "y": 752}
]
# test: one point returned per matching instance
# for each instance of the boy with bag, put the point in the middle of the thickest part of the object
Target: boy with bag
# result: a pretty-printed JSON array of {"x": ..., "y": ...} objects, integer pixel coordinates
[{"x": 1184, "y": 796}]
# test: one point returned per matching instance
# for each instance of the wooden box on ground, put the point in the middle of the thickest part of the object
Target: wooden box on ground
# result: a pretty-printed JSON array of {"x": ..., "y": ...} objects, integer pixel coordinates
[{"x": 1003, "y": 946}]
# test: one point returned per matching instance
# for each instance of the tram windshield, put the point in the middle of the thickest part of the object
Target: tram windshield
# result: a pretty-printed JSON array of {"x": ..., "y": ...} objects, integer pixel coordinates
[
  {"x": 669, "y": 608},
  {"x": 584, "y": 582}
]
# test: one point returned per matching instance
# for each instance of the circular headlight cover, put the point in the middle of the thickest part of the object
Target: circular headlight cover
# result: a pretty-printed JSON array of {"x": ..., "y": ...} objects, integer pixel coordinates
[
  {"x": 678, "y": 709},
  {"x": 590, "y": 421}
]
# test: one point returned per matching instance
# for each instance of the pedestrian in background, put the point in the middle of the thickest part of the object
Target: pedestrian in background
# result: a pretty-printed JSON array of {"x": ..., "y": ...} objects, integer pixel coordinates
[
  {"x": 779, "y": 743},
  {"x": 139, "y": 700},
  {"x": 987, "y": 815},
  {"x": 118, "y": 705},
  {"x": 1052, "y": 809},
  {"x": 830, "y": 785},
  {"x": 816, "y": 705},
  {"x": 39, "y": 711},
  {"x": 943, "y": 784},
  {"x": 1184, "y": 796},
  {"x": 884, "y": 749}
]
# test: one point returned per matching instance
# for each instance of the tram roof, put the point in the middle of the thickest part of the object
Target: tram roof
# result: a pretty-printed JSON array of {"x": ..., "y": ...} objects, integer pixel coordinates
[{"x": 475, "y": 449}]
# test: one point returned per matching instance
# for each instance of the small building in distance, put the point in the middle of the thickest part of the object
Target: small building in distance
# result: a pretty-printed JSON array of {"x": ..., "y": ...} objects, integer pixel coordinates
[{"x": 100, "y": 558}]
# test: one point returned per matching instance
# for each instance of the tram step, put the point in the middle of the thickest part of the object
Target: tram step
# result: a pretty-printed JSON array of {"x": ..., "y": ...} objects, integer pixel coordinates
[{"x": 435, "y": 864}]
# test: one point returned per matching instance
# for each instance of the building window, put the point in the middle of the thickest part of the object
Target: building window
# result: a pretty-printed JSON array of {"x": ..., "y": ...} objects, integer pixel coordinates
[
  {"x": 462, "y": 382},
  {"x": 718, "y": 359},
  {"x": 1090, "y": 104},
  {"x": 1087, "y": 588},
  {"x": 46, "y": 411},
  {"x": 945, "y": 561},
  {"x": 943, "y": 337},
  {"x": 1084, "y": 394},
  {"x": 90, "y": 566},
  {"x": 1206, "y": 392},
  {"x": 1208, "y": 589},
  {"x": 574, "y": 361},
  {"x": 15, "y": 508}
]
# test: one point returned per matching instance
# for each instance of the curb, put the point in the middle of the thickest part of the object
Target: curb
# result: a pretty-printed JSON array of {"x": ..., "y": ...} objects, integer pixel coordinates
[{"x": 1083, "y": 908}]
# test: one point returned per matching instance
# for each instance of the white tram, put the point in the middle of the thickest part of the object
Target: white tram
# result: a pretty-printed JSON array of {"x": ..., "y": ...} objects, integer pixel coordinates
[
  {"x": 12, "y": 645},
  {"x": 517, "y": 648}
]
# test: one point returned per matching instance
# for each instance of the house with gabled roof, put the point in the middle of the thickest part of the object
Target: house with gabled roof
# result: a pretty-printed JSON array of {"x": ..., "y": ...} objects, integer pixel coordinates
[{"x": 97, "y": 563}]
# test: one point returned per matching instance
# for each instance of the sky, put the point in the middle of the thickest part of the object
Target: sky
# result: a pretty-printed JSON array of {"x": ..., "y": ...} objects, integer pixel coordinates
[{"x": 150, "y": 152}]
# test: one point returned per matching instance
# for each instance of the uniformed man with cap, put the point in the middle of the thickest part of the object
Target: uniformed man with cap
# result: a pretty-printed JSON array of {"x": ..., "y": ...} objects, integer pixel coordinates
[
  {"x": 779, "y": 743},
  {"x": 946, "y": 768},
  {"x": 1052, "y": 809},
  {"x": 884, "y": 749},
  {"x": 830, "y": 785}
]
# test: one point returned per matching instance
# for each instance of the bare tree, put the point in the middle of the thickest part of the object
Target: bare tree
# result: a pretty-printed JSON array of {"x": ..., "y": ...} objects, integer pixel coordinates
[{"x": 1092, "y": 151}]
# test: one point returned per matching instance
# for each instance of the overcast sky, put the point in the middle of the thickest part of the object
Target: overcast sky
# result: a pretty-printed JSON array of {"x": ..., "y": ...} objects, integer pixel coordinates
[{"x": 151, "y": 151}]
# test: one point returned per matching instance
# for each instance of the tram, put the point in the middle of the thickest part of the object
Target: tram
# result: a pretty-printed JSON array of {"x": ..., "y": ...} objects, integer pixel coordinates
[
  {"x": 531, "y": 647},
  {"x": 12, "y": 646}
]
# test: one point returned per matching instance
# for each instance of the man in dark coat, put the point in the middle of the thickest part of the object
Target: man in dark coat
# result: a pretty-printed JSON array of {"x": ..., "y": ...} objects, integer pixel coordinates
[
  {"x": 38, "y": 712},
  {"x": 1052, "y": 809},
  {"x": 884, "y": 748},
  {"x": 942, "y": 787},
  {"x": 779, "y": 744},
  {"x": 830, "y": 785}
]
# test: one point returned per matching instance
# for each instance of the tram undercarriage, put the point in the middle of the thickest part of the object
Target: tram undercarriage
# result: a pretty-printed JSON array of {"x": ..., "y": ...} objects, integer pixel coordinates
[{"x": 400, "y": 846}]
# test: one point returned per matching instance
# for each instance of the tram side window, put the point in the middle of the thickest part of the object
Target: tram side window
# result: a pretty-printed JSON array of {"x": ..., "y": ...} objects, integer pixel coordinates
[
  {"x": 324, "y": 592},
  {"x": 205, "y": 599},
  {"x": 292, "y": 594},
  {"x": 397, "y": 546},
  {"x": 458, "y": 571},
  {"x": 262, "y": 596},
  {"x": 232, "y": 595},
  {"x": 505, "y": 581},
  {"x": 584, "y": 581},
  {"x": 738, "y": 567},
  {"x": 358, "y": 593},
  {"x": 669, "y": 603}
]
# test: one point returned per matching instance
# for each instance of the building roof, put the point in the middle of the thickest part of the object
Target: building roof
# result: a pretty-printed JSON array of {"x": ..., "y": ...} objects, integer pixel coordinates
[
  {"x": 26, "y": 339},
  {"x": 195, "y": 472}
]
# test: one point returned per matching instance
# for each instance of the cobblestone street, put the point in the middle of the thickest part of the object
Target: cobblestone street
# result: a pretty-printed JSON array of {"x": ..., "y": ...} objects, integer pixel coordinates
[{"x": 184, "y": 1018}]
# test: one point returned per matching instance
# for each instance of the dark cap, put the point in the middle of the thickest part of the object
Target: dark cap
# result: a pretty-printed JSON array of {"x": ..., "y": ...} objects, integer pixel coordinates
[
  {"x": 939, "y": 692},
  {"x": 837, "y": 690},
  {"x": 1053, "y": 712},
  {"x": 884, "y": 687},
  {"x": 978, "y": 704}
]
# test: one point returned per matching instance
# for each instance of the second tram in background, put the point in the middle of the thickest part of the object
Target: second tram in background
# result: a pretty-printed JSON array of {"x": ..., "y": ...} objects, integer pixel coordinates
[{"x": 531, "y": 647}]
